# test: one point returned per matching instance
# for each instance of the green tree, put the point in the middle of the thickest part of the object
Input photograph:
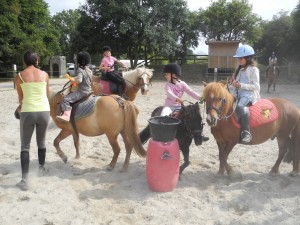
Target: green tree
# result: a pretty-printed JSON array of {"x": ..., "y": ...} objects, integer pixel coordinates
[
  {"x": 277, "y": 36},
  {"x": 37, "y": 31},
  {"x": 133, "y": 28},
  {"x": 66, "y": 23},
  {"x": 295, "y": 38},
  {"x": 9, "y": 32},
  {"x": 26, "y": 25},
  {"x": 232, "y": 20}
]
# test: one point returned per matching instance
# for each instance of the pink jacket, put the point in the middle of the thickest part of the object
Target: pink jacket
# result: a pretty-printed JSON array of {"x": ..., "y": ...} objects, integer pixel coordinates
[
  {"x": 174, "y": 91},
  {"x": 108, "y": 61}
]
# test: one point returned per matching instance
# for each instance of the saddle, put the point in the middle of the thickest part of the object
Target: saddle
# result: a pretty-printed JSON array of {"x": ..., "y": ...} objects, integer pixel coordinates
[
  {"x": 262, "y": 112},
  {"x": 109, "y": 86}
]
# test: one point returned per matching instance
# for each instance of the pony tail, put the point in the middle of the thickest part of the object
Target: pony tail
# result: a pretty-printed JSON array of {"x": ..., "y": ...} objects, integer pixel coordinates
[{"x": 130, "y": 128}]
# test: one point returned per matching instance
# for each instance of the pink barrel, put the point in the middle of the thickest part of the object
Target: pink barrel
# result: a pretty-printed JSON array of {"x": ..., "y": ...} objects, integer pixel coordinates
[{"x": 162, "y": 165}]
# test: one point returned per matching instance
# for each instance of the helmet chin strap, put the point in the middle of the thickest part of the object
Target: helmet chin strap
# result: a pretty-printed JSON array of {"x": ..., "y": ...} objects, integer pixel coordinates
[{"x": 173, "y": 79}]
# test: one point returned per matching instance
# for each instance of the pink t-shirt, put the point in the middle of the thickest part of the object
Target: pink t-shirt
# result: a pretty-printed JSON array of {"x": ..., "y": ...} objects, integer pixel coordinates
[
  {"x": 174, "y": 91},
  {"x": 109, "y": 61}
]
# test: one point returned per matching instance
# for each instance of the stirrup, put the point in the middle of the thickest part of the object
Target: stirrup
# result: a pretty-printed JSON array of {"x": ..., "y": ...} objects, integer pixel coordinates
[{"x": 246, "y": 137}]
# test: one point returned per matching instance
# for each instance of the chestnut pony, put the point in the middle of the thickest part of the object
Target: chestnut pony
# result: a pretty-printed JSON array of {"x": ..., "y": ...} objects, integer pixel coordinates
[
  {"x": 137, "y": 79},
  {"x": 272, "y": 76},
  {"x": 286, "y": 128},
  {"x": 112, "y": 116}
]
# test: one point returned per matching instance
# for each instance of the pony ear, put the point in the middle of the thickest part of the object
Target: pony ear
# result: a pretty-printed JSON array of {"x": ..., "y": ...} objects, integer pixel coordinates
[
  {"x": 204, "y": 83},
  {"x": 224, "y": 82}
]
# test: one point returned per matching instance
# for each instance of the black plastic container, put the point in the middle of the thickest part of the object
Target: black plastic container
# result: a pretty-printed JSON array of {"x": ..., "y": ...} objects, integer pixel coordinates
[{"x": 163, "y": 128}]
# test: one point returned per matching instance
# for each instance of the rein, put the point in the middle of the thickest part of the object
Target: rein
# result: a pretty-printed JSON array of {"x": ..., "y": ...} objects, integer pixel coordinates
[{"x": 65, "y": 87}]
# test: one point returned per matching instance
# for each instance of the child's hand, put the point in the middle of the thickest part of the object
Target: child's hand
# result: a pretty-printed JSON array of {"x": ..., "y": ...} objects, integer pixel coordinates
[
  {"x": 179, "y": 100},
  {"x": 72, "y": 80},
  {"x": 236, "y": 84},
  {"x": 230, "y": 79}
]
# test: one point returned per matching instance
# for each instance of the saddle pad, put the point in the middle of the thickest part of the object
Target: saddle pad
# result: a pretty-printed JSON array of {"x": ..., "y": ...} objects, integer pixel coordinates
[
  {"x": 262, "y": 112},
  {"x": 86, "y": 108},
  {"x": 105, "y": 87}
]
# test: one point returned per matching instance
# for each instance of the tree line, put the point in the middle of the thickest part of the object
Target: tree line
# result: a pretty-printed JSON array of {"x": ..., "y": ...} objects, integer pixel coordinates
[{"x": 140, "y": 29}]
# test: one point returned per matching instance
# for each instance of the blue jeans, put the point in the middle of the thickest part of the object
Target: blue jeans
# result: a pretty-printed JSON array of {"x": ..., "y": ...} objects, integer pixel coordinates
[{"x": 241, "y": 107}]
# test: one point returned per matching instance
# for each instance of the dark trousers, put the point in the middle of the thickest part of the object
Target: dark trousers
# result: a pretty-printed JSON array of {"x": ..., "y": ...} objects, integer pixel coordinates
[{"x": 117, "y": 79}]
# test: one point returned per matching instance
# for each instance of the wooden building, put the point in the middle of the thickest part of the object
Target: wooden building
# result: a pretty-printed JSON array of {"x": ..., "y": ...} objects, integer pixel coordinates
[{"x": 220, "y": 56}]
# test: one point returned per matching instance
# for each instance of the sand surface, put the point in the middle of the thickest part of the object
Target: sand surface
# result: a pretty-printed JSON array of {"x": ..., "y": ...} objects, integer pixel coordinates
[{"x": 83, "y": 192}]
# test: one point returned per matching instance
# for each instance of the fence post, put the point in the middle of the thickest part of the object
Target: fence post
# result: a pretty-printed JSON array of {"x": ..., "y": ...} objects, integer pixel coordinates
[
  {"x": 14, "y": 68},
  {"x": 215, "y": 74}
]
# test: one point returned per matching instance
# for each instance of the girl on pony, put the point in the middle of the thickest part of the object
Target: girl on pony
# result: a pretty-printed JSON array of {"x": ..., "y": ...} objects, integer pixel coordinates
[
  {"x": 175, "y": 88},
  {"x": 107, "y": 66},
  {"x": 84, "y": 83},
  {"x": 247, "y": 87}
]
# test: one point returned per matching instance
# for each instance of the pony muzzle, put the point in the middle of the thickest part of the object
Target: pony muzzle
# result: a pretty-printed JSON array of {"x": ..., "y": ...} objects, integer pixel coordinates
[
  {"x": 211, "y": 121},
  {"x": 144, "y": 89}
]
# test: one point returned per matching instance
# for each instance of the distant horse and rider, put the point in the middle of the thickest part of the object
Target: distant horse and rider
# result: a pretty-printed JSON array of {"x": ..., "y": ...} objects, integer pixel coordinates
[{"x": 272, "y": 72}]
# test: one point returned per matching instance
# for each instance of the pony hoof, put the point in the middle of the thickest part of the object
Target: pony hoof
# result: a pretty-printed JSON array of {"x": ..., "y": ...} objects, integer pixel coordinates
[
  {"x": 294, "y": 174},
  {"x": 123, "y": 170},
  {"x": 64, "y": 158},
  {"x": 273, "y": 173},
  {"x": 109, "y": 168}
]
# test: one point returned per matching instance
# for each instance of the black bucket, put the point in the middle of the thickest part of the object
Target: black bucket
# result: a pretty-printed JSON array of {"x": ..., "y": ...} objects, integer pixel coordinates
[{"x": 163, "y": 128}]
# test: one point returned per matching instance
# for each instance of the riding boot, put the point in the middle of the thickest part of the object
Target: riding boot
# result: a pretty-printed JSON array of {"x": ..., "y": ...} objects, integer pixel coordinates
[
  {"x": 245, "y": 128},
  {"x": 23, "y": 185},
  {"x": 42, "y": 157},
  {"x": 204, "y": 138},
  {"x": 121, "y": 92}
]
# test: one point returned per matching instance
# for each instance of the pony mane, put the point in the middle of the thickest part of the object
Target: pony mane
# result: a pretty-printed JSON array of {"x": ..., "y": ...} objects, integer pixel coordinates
[
  {"x": 132, "y": 75},
  {"x": 218, "y": 90}
]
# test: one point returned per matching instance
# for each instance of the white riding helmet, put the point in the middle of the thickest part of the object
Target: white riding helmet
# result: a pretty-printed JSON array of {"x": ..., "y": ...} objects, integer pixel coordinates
[{"x": 243, "y": 51}]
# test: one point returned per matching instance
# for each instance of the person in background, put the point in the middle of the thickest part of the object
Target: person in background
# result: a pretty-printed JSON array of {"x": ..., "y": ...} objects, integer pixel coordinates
[
  {"x": 245, "y": 80},
  {"x": 107, "y": 66},
  {"x": 175, "y": 88},
  {"x": 272, "y": 61},
  {"x": 32, "y": 86},
  {"x": 84, "y": 82}
]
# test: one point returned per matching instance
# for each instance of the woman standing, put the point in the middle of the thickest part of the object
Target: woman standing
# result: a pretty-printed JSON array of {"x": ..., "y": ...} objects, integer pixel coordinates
[{"x": 33, "y": 87}]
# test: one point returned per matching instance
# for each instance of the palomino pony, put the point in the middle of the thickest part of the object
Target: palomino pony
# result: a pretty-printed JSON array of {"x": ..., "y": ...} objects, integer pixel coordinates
[
  {"x": 272, "y": 75},
  {"x": 111, "y": 115},
  {"x": 278, "y": 118},
  {"x": 191, "y": 126},
  {"x": 136, "y": 79}
]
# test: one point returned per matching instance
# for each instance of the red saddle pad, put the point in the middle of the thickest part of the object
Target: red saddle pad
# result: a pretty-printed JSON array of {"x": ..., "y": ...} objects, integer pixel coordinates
[
  {"x": 262, "y": 112},
  {"x": 105, "y": 87}
]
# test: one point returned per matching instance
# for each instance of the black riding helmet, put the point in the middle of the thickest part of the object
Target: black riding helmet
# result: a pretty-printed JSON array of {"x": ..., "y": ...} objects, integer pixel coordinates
[
  {"x": 83, "y": 58},
  {"x": 173, "y": 68},
  {"x": 106, "y": 48}
]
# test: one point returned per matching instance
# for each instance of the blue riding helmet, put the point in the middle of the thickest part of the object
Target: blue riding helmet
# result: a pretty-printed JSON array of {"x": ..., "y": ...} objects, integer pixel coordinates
[{"x": 243, "y": 51}]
